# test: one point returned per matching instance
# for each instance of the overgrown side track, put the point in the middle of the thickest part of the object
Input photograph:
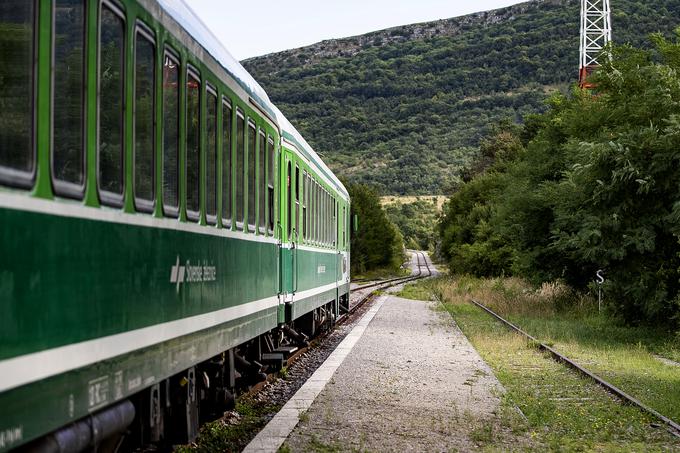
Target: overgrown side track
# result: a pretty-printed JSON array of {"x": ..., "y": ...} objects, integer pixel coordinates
[{"x": 673, "y": 427}]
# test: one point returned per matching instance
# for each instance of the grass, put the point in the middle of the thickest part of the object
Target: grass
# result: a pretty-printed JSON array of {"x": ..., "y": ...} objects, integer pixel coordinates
[
  {"x": 407, "y": 199},
  {"x": 625, "y": 356},
  {"x": 220, "y": 436},
  {"x": 415, "y": 292},
  {"x": 560, "y": 410}
]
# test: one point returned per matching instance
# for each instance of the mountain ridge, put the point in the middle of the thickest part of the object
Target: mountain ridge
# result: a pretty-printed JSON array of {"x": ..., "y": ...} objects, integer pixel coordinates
[{"x": 351, "y": 45}]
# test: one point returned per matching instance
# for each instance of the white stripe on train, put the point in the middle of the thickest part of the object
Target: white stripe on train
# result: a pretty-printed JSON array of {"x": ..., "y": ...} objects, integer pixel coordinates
[{"x": 33, "y": 367}]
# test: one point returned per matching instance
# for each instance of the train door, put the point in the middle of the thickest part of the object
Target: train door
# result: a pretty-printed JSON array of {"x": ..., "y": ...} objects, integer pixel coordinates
[{"x": 288, "y": 233}]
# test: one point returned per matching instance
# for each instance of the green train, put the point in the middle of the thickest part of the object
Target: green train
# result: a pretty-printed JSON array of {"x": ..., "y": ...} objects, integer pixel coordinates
[{"x": 165, "y": 233}]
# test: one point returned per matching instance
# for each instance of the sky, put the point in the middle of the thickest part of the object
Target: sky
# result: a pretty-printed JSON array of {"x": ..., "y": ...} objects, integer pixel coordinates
[{"x": 249, "y": 28}]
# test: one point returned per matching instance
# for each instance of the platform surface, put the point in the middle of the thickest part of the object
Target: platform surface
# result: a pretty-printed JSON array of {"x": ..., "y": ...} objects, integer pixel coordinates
[
  {"x": 405, "y": 379},
  {"x": 413, "y": 382}
]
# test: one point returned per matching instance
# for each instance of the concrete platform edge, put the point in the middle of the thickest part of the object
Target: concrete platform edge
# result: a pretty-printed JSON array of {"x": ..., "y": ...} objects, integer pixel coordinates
[{"x": 275, "y": 433}]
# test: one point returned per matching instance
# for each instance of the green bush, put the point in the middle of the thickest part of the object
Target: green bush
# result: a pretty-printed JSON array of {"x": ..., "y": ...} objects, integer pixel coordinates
[{"x": 596, "y": 186}]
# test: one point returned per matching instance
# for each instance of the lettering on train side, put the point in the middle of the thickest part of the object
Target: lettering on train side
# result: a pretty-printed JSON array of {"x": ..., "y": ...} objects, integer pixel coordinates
[
  {"x": 190, "y": 273},
  {"x": 11, "y": 436},
  {"x": 98, "y": 393}
]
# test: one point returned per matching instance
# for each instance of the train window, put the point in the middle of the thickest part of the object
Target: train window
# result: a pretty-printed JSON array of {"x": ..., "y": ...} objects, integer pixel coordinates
[
  {"x": 327, "y": 230},
  {"x": 305, "y": 194},
  {"x": 170, "y": 135},
  {"x": 325, "y": 218},
  {"x": 68, "y": 163},
  {"x": 252, "y": 201},
  {"x": 297, "y": 186},
  {"x": 334, "y": 223},
  {"x": 17, "y": 155},
  {"x": 193, "y": 145},
  {"x": 226, "y": 164},
  {"x": 211, "y": 157},
  {"x": 240, "y": 169},
  {"x": 305, "y": 213},
  {"x": 344, "y": 222},
  {"x": 312, "y": 210},
  {"x": 271, "y": 168},
  {"x": 111, "y": 93},
  {"x": 310, "y": 213},
  {"x": 297, "y": 203},
  {"x": 312, "y": 202},
  {"x": 324, "y": 221},
  {"x": 261, "y": 180},
  {"x": 289, "y": 203},
  {"x": 331, "y": 220},
  {"x": 145, "y": 87},
  {"x": 317, "y": 200}
]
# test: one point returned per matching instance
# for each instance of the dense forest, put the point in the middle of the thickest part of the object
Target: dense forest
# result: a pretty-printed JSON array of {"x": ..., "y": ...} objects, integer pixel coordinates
[
  {"x": 376, "y": 242},
  {"x": 404, "y": 109},
  {"x": 591, "y": 184},
  {"x": 417, "y": 221}
]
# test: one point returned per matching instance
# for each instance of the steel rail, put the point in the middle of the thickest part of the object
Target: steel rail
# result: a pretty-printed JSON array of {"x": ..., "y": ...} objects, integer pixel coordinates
[
  {"x": 383, "y": 284},
  {"x": 673, "y": 427},
  {"x": 380, "y": 282}
]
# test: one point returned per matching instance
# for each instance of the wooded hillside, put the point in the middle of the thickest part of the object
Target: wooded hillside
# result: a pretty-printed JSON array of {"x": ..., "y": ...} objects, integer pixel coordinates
[{"x": 404, "y": 109}]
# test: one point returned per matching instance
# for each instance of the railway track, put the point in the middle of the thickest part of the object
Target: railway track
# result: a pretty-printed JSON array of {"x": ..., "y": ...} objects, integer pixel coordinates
[
  {"x": 672, "y": 426},
  {"x": 420, "y": 255},
  {"x": 384, "y": 284}
]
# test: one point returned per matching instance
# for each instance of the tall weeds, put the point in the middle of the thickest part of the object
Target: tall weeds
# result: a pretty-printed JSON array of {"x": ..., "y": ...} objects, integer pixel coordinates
[{"x": 515, "y": 296}]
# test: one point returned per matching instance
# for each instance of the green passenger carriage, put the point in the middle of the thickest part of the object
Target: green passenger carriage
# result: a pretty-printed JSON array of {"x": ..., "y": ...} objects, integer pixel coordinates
[{"x": 164, "y": 230}]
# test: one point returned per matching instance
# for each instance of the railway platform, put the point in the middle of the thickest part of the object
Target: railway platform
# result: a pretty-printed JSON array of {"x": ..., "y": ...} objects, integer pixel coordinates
[{"x": 404, "y": 379}]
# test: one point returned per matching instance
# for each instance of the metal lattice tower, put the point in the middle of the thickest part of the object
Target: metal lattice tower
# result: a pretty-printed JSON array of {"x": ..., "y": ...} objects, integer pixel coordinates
[{"x": 596, "y": 32}]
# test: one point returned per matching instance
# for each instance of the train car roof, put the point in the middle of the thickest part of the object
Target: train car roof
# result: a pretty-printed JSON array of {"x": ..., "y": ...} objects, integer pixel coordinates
[
  {"x": 293, "y": 136},
  {"x": 181, "y": 12}
]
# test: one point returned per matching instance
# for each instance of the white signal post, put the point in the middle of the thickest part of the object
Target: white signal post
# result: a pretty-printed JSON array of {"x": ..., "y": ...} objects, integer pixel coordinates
[
  {"x": 596, "y": 32},
  {"x": 600, "y": 281}
]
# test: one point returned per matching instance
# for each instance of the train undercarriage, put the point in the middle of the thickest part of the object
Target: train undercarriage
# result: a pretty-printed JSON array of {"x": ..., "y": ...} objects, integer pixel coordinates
[{"x": 172, "y": 411}]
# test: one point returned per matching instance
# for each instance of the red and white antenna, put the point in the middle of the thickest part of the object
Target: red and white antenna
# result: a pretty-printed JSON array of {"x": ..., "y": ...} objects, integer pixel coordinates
[{"x": 596, "y": 32}]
